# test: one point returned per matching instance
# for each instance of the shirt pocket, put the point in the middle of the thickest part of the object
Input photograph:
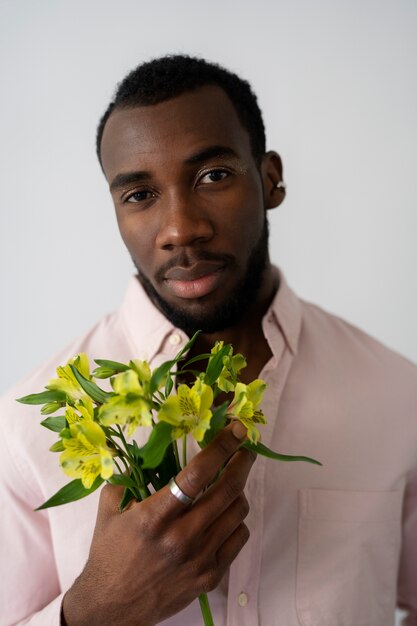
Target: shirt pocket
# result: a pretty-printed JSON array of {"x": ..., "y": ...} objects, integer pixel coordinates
[{"x": 348, "y": 551}]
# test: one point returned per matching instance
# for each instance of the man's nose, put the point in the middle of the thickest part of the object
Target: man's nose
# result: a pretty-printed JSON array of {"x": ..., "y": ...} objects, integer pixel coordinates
[{"x": 183, "y": 223}]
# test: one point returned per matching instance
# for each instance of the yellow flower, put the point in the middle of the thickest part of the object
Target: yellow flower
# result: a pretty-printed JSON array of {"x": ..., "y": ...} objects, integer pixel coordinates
[
  {"x": 85, "y": 408},
  {"x": 244, "y": 407},
  {"x": 142, "y": 369},
  {"x": 130, "y": 406},
  {"x": 232, "y": 364},
  {"x": 66, "y": 380},
  {"x": 189, "y": 410},
  {"x": 229, "y": 375},
  {"x": 127, "y": 382},
  {"x": 86, "y": 454}
]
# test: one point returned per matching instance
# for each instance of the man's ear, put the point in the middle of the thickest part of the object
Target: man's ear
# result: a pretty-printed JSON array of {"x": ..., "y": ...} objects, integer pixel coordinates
[{"x": 273, "y": 184}]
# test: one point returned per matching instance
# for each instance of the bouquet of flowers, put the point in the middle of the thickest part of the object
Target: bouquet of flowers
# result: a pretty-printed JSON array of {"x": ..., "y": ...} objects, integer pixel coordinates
[{"x": 96, "y": 426}]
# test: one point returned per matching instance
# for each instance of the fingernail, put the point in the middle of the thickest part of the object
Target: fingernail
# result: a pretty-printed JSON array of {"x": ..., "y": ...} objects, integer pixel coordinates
[{"x": 239, "y": 430}]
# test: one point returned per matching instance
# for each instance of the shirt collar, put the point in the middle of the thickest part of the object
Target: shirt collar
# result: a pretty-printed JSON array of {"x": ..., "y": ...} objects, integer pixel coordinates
[
  {"x": 148, "y": 329},
  {"x": 285, "y": 310}
]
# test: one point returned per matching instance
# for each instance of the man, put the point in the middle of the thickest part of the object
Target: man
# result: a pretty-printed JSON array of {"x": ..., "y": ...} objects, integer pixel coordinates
[{"x": 182, "y": 148}]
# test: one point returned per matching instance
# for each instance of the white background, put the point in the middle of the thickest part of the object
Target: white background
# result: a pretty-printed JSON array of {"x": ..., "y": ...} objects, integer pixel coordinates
[{"x": 337, "y": 81}]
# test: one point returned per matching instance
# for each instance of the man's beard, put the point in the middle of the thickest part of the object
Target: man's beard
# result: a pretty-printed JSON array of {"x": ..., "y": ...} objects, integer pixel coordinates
[{"x": 229, "y": 312}]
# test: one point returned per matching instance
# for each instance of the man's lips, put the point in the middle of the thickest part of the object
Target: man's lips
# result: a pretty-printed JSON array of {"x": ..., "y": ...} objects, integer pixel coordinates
[{"x": 195, "y": 281}]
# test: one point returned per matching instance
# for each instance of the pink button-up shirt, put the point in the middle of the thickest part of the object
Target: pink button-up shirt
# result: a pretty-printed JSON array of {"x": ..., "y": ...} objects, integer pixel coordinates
[{"x": 327, "y": 545}]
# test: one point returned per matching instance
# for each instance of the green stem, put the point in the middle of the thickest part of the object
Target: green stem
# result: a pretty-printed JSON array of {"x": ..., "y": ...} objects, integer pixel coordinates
[
  {"x": 184, "y": 450},
  {"x": 122, "y": 456},
  {"x": 113, "y": 432},
  {"x": 205, "y": 610},
  {"x": 177, "y": 458},
  {"x": 136, "y": 469},
  {"x": 158, "y": 398},
  {"x": 118, "y": 466},
  {"x": 120, "y": 452},
  {"x": 138, "y": 474}
]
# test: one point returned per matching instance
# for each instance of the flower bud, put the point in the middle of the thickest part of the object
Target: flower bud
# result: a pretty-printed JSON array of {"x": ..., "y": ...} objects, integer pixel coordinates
[
  {"x": 58, "y": 446},
  {"x": 104, "y": 372},
  {"x": 50, "y": 407}
]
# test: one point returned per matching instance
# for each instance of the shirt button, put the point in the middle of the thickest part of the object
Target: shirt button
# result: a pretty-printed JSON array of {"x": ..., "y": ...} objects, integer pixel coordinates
[
  {"x": 242, "y": 599},
  {"x": 174, "y": 339}
]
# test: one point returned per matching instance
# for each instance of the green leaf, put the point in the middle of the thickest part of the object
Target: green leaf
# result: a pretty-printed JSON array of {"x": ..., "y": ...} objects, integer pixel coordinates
[
  {"x": 215, "y": 365},
  {"x": 113, "y": 365},
  {"x": 151, "y": 476},
  {"x": 217, "y": 423},
  {"x": 128, "y": 496},
  {"x": 178, "y": 357},
  {"x": 168, "y": 468},
  {"x": 199, "y": 357},
  {"x": 56, "y": 423},
  {"x": 163, "y": 371},
  {"x": 95, "y": 393},
  {"x": 187, "y": 346},
  {"x": 43, "y": 397},
  {"x": 58, "y": 446},
  {"x": 168, "y": 385},
  {"x": 134, "y": 451},
  {"x": 122, "y": 480},
  {"x": 153, "y": 451},
  {"x": 71, "y": 492},
  {"x": 259, "y": 448},
  {"x": 159, "y": 375},
  {"x": 103, "y": 372},
  {"x": 160, "y": 475}
]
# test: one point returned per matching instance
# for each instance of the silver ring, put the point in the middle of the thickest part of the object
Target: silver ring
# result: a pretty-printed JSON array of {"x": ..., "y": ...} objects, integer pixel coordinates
[
  {"x": 178, "y": 493},
  {"x": 280, "y": 185}
]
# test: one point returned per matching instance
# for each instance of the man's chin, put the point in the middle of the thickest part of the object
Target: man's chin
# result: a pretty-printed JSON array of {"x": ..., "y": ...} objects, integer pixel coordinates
[
  {"x": 193, "y": 315},
  {"x": 208, "y": 323}
]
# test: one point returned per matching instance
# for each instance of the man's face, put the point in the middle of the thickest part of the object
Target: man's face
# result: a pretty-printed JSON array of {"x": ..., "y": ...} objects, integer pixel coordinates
[{"x": 189, "y": 204}]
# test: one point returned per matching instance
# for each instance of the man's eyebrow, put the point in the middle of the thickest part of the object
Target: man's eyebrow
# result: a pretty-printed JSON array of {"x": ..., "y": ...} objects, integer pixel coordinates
[
  {"x": 127, "y": 178},
  {"x": 210, "y": 153},
  {"x": 122, "y": 180}
]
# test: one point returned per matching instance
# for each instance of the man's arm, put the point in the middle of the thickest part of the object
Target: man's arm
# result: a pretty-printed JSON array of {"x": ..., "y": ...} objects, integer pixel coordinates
[
  {"x": 151, "y": 561},
  {"x": 407, "y": 582},
  {"x": 29, "y": 586}
]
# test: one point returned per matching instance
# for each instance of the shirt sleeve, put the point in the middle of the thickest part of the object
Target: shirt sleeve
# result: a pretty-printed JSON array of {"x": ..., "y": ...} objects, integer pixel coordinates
[
  {"x": 407, "y": 581},
  {"x": 48, "y": 616},
  {"x": 29, "y": 586}
]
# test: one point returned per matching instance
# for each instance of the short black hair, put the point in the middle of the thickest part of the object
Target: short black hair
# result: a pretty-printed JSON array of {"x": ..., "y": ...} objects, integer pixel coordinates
[{"x": 169, "y": 76}]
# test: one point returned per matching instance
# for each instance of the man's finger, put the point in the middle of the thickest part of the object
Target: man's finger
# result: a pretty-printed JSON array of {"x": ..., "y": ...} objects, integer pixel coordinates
[
  {"x": 110, "y": 498},
  {"x": 225, "y": 490},
  {"x": 219, "y": 532},
  {"x": 203, "y": 468},
  {"x": 227, "y": 553}
]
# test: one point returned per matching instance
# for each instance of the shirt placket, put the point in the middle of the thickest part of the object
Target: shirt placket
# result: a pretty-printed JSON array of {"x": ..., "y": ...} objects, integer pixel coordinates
[{"x": 245, "y": 572}]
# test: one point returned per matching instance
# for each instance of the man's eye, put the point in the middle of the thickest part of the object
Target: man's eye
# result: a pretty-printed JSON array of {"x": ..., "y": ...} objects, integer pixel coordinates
[
  {"x": 214, "y": 176},
  {"x": 139, "y": 196}
]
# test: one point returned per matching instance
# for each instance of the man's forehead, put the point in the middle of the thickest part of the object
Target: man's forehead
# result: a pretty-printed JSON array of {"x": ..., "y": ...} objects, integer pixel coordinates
[{"x": 183, "y": 124}]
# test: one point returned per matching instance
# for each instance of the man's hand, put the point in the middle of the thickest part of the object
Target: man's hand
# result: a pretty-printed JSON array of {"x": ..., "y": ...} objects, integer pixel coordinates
[{"x": 156, "y": 557}]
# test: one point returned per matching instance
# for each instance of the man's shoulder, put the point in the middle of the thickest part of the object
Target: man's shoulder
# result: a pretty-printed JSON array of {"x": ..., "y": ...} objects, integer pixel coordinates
[
  {"x": 337, "y": 336},
  {"x": 134, "y": 330},
  {"x": 105, "y": 339}
]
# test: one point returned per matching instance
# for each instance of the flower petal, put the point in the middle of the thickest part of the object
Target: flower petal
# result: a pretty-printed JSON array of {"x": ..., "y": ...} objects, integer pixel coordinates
[{"x": 126, "y": 382}]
